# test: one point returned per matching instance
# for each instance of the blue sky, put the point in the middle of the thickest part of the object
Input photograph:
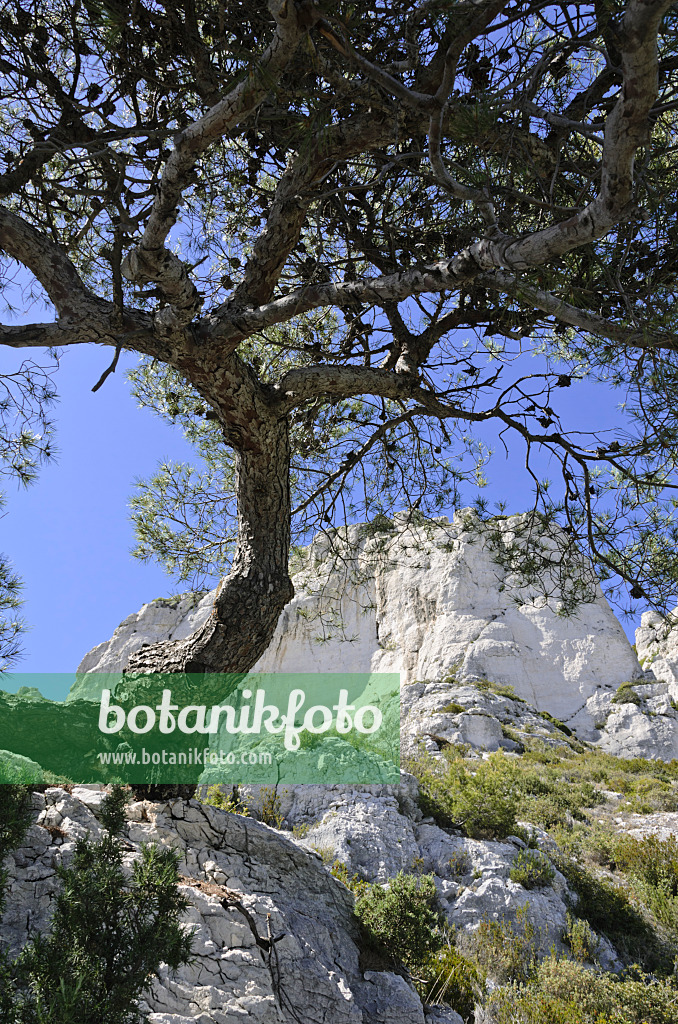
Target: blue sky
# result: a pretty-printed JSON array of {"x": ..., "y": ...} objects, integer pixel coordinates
[{"x": 69, "y": 535}]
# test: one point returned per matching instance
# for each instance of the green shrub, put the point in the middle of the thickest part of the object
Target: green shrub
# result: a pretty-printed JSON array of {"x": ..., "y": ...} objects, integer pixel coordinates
[
  {"x": 532, "y": 869},
  {"x": 501, "y": 689},
  {"x": 15, "y": 817},
  {"x": 109, "y": 935},
  {"x": 479, "y": 799},
  {"x": 626, "y": 695},
  {"x": 651, "y": 859},
  {"x": 460, "y": 863},
  {"x": 403, "y": 917},
  {"x": 18, "y": 770},
  {"x": 354, "y": 882},
  {"x": 502, "y": 950},
  {"x": 645, "y": 796},
  {"x": 214, "y": 796},
  {"x": 581, "y": 938},
  {"x": 380, "y": 524},
  {"x": 451, "y": 709},
  {"x": 652, "y": 864},
  {"x": 514, "y": 735},
  {"x": 565, "y": 992},
  {"x": 609, "y": 911},
  {"x": 452, "y": 979},
  {"x": 269, "y": 807}
]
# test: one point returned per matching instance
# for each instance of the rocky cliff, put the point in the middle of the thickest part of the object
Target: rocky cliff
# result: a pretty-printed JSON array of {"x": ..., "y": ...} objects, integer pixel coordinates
[
  {"x": 423, "y": 600},
  {"x": 490, "y": 666},
  {"x": 246, "y": 881}
]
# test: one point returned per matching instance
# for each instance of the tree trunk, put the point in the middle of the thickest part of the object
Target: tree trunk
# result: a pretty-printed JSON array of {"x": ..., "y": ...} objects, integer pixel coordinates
[{"x": 250, "y": 599}]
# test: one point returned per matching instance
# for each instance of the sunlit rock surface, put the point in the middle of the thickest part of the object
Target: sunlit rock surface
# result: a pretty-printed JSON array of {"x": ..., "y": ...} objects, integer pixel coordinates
[
  {"x": 245, "y": 883},
  {"x": 422, "y": 600}
]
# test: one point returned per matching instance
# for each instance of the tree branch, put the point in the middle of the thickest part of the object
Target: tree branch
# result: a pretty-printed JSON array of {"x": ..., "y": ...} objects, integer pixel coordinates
[
  {"x": 470, "y": 19},
  {"x": 626, "y": 129},
  {"x": 643, "y": 338},
  {"x": 84, "y": 318},
  {"x": 48, "y": 263},
  {"x": 340, "y": 382},
  {"x": 150, "y": 261},
  {"x": 234, "y": 325},
  {"x": 293, "y": 196}
]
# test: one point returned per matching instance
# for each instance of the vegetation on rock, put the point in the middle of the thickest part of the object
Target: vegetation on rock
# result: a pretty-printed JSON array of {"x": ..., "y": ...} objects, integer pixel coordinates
[{"x": 109, "y": 933}]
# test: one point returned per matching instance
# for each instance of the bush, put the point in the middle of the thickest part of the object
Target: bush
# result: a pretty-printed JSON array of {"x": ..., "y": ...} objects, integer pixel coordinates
[
  {"x": 565, "y": 992},
  {"x": 501, "y": 689},
  {"x": 651, "y": 859},
  {"x": 214, "y": 796},
  {"x": 16, "y": 769},
  {"x": 453, "y": 979},
  {"x": 609, "y": 911},
  {"x": 480, "y": 801},
  {"x": 483, "y": 799},
  {"x": 652, "y": 864},
  {"x": 503, "y": 951},
  {"x": 557, "y": 722},
  {"x": 354, "y": 882},
  {"x": 269, "y": 807},
  {"x": 626, "y": 695},
  {"x": 108, "y": 935},
  {"x": 532, "y": 869},
  {"x": 460, "y": 863},
  {"x": 15, "y": 817},
  {"x": 581, "y": 938},
  {"x": 403, "y": 917},
  {"x": 451, "y": 709}
]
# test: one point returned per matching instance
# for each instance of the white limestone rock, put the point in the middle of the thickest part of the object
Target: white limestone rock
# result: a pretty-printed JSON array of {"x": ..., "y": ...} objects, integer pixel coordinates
[
  {"x": 648, "y": 729},
  {"x": 162, "y": 619},
  {"x": 306, "y": 804},
  {"x": 439, "y": 712},
  {"x": 230, "y": 858},
  {"x": 648, "y": 726},
  {"x": 422, "y": 601},
  {"x": 657, "y": 646},
  {"x": 370, "y": 836},
  {"x": 663, "y": 825},
  {"x": 375, "y": 841},
  {"x": 273, "y": 873}
]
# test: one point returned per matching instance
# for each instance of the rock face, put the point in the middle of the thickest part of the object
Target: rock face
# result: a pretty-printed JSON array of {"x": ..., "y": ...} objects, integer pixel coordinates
[
  {"x": 641, "y": 721},
  {"x": 657, "y": 646},
  {"x": 422, "y": 600},
  {"x": 163, "y": 619},
  {"x": 242, "y": 878}
]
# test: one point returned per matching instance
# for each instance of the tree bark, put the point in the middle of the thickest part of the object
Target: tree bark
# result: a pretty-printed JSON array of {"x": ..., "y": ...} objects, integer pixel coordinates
[{"x": 250, "y": 599}]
